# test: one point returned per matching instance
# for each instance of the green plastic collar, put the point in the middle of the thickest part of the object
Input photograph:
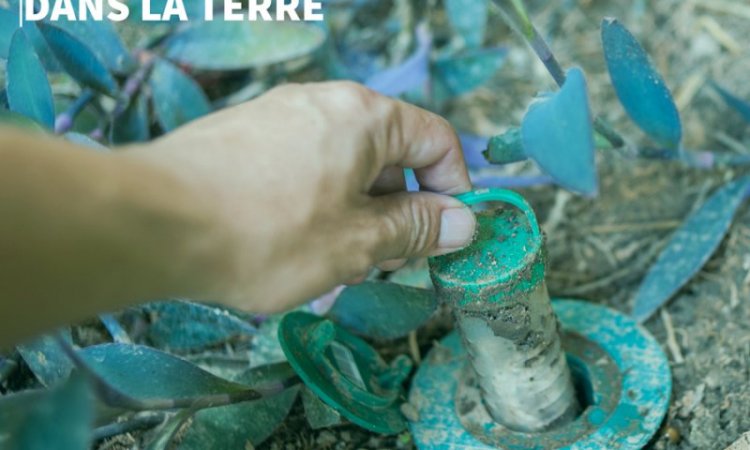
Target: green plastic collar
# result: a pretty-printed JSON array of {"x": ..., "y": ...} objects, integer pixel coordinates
[{"x": 506, "y": 258}]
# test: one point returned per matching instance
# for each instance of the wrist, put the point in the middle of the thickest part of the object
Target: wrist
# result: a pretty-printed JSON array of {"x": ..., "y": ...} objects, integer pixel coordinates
[{"x": 185, "y": 248}]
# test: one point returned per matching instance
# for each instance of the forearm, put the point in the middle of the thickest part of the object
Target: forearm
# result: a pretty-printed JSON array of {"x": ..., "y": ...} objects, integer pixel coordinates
[
  {"x": 82, "y": 232},
  {"x": 260, "y": 206}
]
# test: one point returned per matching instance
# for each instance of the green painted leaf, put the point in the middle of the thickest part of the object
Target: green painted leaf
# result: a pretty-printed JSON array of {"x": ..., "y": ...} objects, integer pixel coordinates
[
  {"x": 102, "y": 39},
  {"x": 506, "y": 148},
  {"x": 177, "y": 98},
  {"x": 184, "y": 326},
  {"x": 13, "y": 119},
  {"x": 59, "y": 419},
  {"x": 640, "y": 88},
  {"x": 235, "y": 426},
  {"x": 689, "y": 248},
  {"x": 266, "y": 348},
  {"x": 46, "y": 359},
  {"x": 382, "y": 310},
  {"x": 133, "y": 124},
  {"x": 43, "y": 51},
  {"x": 8, "y": 25},
  {"x": 463, "y": 73},
  {"x": 469, "y": 19},
  {"x": 78, "y": 60},
  {"x": 27, "y": 86},
  {"x": 145, "y": 373},
  {"x": 224, "y": 45},
  {"x": 317, "y": 412},
  {"x": 558, "y": 134}
]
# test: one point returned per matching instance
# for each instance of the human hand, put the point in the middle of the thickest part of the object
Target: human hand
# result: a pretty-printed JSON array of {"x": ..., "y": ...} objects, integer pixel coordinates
[{"x": 303, "y": 189}]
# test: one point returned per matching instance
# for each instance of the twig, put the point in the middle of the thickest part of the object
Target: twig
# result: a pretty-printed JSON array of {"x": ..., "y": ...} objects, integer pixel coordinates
[
  {"x": 718, "y": 33},
  {"x": 732, "y": 143},
  {"x": 414, "y": 348},
  {"x": 132, "y": 86},
  {"x": 64, "y": 122},
  {"x": 605, "y": 250},
  {"x": 699, "y": 159},
  {"x": 610, "y": 228},
  {"x": 129, "y": 90},
  {"x": 616, "y": 275},
  {"x": 687, "y": 90},
  {"x": 674, "y": 347},
  {"x": 557, "y": 213},
  {"x": 724, "y": 6},
  {"x": 140, "y": 422}
]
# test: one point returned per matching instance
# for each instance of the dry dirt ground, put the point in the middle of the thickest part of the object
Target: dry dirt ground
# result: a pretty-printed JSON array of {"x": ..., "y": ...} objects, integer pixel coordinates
[{"x": 600, "y": 248}]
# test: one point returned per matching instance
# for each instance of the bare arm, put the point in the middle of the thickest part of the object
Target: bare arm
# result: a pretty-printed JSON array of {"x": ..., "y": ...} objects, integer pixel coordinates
[
  {"x": 82, "y": 231},
  {"x": 260, "y": 206}
]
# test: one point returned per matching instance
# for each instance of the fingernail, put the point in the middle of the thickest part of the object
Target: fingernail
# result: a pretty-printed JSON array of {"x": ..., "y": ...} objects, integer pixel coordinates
[{"x": 456, "y": 229}]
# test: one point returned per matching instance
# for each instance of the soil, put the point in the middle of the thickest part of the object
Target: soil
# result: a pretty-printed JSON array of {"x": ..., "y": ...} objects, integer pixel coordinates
[{"x": 600, "y": 248}]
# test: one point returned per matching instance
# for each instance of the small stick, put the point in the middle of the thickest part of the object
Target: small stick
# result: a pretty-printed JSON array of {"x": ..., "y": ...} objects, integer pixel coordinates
[
  {"x": 718, "y": 33},
  {"x": 688, "y": 89},
  {"x": 610, "y": 228},
  {"x": 726, "y": 7},
  {"x": 414, "y": 348},
  {"x": 557, "y": 213},
  {"x": 140, "y": 422},
  {"x": 64, "y": 122},
  {"x": 616, "y": 275},
  {"x": 674, "y": 347}
]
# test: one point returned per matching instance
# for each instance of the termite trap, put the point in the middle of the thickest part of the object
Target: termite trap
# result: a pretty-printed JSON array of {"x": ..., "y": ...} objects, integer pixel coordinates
[{"x": 520, "y": 371}]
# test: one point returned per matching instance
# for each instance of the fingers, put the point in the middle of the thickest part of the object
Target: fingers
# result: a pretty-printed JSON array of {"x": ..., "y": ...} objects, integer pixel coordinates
[
  {"x": 415, "y": 138},
  {"x": 390, "y": 181},
  {"x": 402, "y": 135},
  {"x": 420, "y": 224}
]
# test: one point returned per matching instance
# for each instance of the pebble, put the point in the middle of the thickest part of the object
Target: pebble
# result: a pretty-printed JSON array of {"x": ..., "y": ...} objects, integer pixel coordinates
[
  {"x": 325, "y": 439},
  {"x": 672, "y": 434},
  {"x": 410, "y": 412}
]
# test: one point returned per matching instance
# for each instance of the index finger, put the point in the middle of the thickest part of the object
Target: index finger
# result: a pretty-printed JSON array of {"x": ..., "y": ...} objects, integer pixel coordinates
[{"x": 412, "y": 137}]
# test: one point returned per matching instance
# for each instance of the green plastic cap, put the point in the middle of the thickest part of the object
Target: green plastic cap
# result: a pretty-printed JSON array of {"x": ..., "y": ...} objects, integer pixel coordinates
[
  {"x": 506, "y": 258},
  {"x": 345, "y": 372}
]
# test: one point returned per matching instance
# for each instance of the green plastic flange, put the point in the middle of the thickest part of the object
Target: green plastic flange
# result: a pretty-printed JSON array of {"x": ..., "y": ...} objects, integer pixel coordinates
[
  {"x": 623, "y": 410},
  {"x": 346, "y": 372},
  {"x": 506, "y": 258}
]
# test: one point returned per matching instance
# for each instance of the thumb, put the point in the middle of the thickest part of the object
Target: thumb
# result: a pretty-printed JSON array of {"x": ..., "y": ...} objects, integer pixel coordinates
[{"x": 421, "y": 224}]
